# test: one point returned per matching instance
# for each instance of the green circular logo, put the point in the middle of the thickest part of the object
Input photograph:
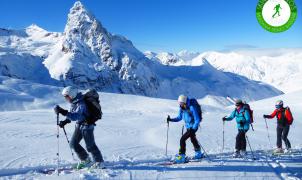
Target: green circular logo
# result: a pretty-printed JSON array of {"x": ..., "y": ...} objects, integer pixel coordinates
[{"x": 276, "y": 15}]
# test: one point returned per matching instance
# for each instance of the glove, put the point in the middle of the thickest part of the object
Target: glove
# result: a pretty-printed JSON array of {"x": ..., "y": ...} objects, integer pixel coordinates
[
  {"x": 241, "y": 123},
  {"x": 224, "y": 119},
  {"x": 266, "y": 116},
  {"x": 63, "y": 123},
  {"x": 168, "y": 119},
  {"x": 60, "y": 110}
]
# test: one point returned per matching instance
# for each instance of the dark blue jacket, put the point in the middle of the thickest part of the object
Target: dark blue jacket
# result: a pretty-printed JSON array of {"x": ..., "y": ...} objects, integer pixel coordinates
[{"x": 78, "y": 110}]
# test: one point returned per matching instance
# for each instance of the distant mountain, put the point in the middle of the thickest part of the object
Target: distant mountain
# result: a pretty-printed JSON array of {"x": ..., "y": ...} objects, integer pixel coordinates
[
  {"x": 281, "y": 68},
  {"x": 165, "y": 58},
  {"x": 23, "y": 51},
  {"x": 183, "y": 57},
  {"x": 87, "y": 55},
  {"x": 187, "y": 55}
]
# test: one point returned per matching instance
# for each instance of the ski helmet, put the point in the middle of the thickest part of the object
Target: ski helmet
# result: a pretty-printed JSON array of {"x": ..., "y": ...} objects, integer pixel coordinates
[
  {"x": 279, "y": 104},
  {"x": 182, "y": 99},
  {"x": 238, "y": 102},
  {"x": 70, "y": 91}
]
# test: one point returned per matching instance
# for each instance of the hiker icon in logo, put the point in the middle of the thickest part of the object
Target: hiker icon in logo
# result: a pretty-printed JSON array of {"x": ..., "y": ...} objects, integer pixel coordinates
[
  {"x": 276, "y": 15},
  {"x": 277, "y": 8}
]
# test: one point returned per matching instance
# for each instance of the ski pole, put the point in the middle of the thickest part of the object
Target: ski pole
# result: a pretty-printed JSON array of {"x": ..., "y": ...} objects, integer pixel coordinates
[
  {"x": 252, "y": 127},
  {"x": 205, "y": 152},
  {"x": 58, "y": 143},
  {"x": 167, "y": 141},
  {"x": 68, "y": 143},
  {"x": 269, "y": 139},
  {"x": 247, "y": 139},
  {"x": 223, "y": 136}
]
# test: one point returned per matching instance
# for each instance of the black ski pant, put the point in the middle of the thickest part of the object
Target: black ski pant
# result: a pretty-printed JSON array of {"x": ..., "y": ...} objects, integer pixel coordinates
[
  {"x": 192, "y": 135},
  {"x": 240, "y": 141},
  {"x": 85, "y": 132},
  {"x": 282, "y": 133}
]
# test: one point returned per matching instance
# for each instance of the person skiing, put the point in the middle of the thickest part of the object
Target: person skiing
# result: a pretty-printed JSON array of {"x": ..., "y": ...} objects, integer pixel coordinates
[
  {"x": 192, "y": 119},
  {"x": 282, "y": 126},
  {"x": 83, "y": 130},
  {"x": 242, "y": 116}
]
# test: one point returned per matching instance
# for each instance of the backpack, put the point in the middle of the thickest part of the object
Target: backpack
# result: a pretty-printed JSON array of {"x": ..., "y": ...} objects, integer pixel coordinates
[
  {"x": 91, "y": 99},
  {"x": 251, "y": 112},
  {"x": 286, "y": 116},
  {"x": 289, "y": 116},
  {"x": 196, "y": 105}
]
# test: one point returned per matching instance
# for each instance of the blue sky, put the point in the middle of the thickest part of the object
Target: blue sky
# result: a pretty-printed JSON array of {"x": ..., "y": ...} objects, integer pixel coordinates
[{"x": 162, "y": 25}]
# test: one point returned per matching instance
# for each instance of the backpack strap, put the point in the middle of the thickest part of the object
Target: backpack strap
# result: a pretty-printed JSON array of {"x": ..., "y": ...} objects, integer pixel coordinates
[
  {"x": 191, "y": 115},
  {"x": 283, "y": 117}
]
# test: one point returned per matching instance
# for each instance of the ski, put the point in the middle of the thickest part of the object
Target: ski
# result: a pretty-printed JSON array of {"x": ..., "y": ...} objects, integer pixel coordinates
[
  {"x": 50, "y": 171},
  {"x": 188, "y": 160}
]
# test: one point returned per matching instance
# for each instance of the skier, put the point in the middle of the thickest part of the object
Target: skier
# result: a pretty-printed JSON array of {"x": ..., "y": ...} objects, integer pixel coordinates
[
  {"x": 241, "y": 113},
  {"x": 189, "y": 113},
  {"x": 78, "y": 112},
  {"x": 282, "y": 125}
]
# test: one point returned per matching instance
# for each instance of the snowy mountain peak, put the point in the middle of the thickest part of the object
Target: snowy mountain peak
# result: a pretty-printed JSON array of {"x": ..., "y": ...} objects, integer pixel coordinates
[
  {"x": 79, "y": 14},
  {"x": 187, "y": 55},
  {"x": 34, "y": 27},
  {"x": 35, "y": 30},
  {"x": 78, "y": 8}
]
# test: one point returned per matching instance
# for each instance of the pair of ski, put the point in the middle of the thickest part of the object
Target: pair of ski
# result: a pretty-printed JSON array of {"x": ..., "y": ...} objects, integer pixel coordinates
[{"x": 67, "y": 169}]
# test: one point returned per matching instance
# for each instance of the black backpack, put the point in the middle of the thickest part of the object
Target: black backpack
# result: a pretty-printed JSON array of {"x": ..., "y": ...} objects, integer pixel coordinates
[
  {"x": 196, "y": 105},
  {"x": 91, "y": 98}
]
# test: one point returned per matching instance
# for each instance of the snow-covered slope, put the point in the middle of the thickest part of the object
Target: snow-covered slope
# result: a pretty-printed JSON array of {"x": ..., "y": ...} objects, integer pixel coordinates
[
  {"x": 132, "y": 137},
  {"x": 16, "y": 94},
  {"x": 280, "y": 68}
]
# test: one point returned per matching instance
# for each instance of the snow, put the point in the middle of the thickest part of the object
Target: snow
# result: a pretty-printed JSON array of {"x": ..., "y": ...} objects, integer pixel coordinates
[
  {"x": 132, "y": 137},
  {"x": 280, "y": 68}
]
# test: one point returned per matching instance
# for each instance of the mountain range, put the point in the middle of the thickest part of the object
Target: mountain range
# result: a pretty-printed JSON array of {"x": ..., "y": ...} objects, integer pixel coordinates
[{"x": 87, "y": 55}]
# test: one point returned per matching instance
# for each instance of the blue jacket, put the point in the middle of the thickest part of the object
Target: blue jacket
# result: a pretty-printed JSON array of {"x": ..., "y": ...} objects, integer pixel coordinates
[
  {"x": 190, "y": 116},
  {"x": 243, "y": 115},
  {"x": 78, "y": 110}
]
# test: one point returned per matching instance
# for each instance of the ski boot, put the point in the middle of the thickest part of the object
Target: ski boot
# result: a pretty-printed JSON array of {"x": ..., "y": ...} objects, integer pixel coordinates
[
  {"x": 236, "y": 154},
  {"x": 198, "y": 155},
  {"x": 243, "y": 153},
  {"x": 180, "y": 158},
  {"x": 98, "y": 165},
  {"x": 288, "y": 150},
  {"x": 278, "y": 151},
  {"x": 83, "y": 164}
]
